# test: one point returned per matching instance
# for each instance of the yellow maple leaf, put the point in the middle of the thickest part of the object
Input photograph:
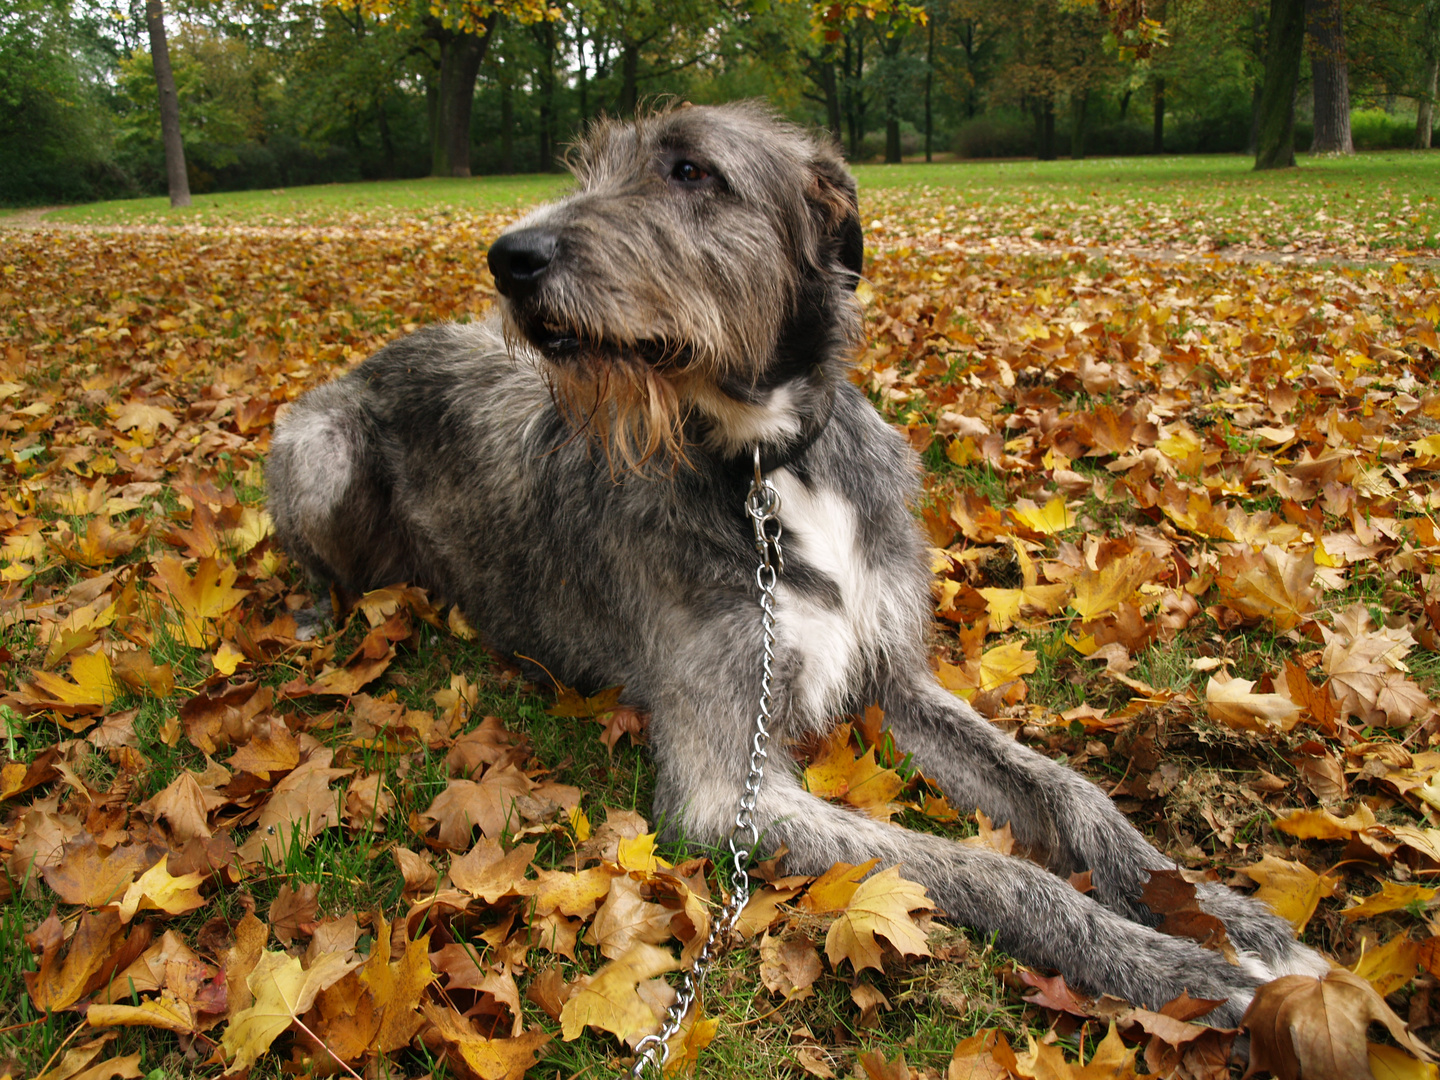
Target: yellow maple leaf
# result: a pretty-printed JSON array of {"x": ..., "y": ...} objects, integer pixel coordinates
[
  {"x": 638, "y": 853},
  {"x": 1053, "y": 518},
  {"x": 489, "y": 1059},
  {"x": 396, "y": 988},
  {"x": 1392, "y": 1063},
  {"x": 1233, "y": 703},
  {"x": 254, "y": 526},
  {"x": 1292, "y": 889},
  {"x": 880, "y": 906},
  {"x": 1179, "y": 444},
  {"x": 1272, "y": 584},
  {"x": 1006, "y": 663},
  {"x": 1393, "y": 964},
  {"x": 158, "y": 890},
  {"x": 283, "y": 991},
  {"x": 1427, "y": 449},
  {"x": 227, "y": 658},
  {"x": 1004, "y": 605},
  {"x": 610, "y": 1001},
  {"x": 93, "y": 684},
  {"x": 1391, "y": 897},
  {"x": 860, "y": 781},
  {"x": 833, "y": 890},
  {"x": 1114, "y": 584},
  {"x": 198, "y": 600}
]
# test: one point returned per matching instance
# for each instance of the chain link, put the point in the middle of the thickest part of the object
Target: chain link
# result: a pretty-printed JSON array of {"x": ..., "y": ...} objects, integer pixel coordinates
[{"x": 762, "y": 504}]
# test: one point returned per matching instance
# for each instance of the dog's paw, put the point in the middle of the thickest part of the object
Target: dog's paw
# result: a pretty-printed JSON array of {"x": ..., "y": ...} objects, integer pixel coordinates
[{"x": 310, "y": 622}]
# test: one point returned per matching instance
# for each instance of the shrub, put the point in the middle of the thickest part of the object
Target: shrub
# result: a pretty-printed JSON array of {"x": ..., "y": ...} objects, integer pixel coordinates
[
  {"x": 996, "y": 136},
  {"x": 1375, "y": 129}
]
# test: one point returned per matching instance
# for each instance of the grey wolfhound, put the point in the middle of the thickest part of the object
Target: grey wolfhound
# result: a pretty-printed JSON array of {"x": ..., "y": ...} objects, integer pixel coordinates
[{"x": 573, "y": 473}]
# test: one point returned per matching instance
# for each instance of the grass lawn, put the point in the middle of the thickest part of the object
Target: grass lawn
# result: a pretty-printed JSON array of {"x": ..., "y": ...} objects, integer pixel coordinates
[
  {"x": 1184, "y": 520},
  {"x": 1371, "y": 201}
]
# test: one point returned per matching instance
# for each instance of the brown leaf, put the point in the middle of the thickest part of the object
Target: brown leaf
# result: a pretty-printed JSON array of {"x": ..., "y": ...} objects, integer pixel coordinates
[
  {"x": 1301, "y": 1026},
  {"x": 877, "y": 1068},
  {"x": 789, "y": 966},
  {"x": 479, "y": 1057},
  {"x": 60, "y": 983},
  {"x": 1174, "y": 899},
  {"x": 983, "y": 1056},
  {"x": 293, "y": 911},
  {"x": 85, "y": 875}
]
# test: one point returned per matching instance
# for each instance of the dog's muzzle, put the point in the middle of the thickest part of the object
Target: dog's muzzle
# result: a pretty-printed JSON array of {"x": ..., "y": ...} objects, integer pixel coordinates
[{"x": 520, "y": 260}]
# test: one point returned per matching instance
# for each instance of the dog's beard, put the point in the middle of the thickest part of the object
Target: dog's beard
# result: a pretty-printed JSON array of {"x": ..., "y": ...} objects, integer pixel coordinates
[{"x": 633, "y": 410}]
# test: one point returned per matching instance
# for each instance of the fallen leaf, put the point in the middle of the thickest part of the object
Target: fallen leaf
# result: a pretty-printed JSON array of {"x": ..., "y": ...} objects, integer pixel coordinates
[{"x": 1301, "y": 1026}]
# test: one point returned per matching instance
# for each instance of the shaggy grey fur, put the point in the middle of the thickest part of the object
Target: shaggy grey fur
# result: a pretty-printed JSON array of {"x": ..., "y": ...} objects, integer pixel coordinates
[{"x": 691, "y": 299}]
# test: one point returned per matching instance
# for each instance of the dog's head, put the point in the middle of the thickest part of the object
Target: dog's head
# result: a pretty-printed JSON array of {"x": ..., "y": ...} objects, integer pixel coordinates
[{"x": 705, "y": 252}]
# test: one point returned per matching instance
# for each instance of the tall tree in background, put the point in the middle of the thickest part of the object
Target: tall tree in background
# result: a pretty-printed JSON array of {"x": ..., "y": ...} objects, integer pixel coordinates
[
  {"x": 462, "y": 30},
  {"x": 175, "y": 174},
  {"x": 463, "y": 40},
  {"x": 891, "y": 21},
  {"x": 1330, "y": 72},
  {"x": 1429, "y": 33},
  {"x": 1275, "y": 119}
]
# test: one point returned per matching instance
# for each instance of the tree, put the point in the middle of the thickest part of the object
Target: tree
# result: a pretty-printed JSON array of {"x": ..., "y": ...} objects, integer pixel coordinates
[
  {"x": 1428, "y": 18},
  {"x": 1275, "y": 113},
  {"x": 847, "y": 25},
  {"x": 1330, "y": 72},
  {"x": 462, "y": 32},
  {"x": 175, "y": 174}
]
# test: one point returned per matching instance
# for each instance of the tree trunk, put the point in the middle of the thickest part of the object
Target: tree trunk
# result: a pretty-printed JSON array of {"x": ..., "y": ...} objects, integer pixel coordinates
[
  {"x": 507, "y": 125},
  {"x": 853, "y": 68},
  {"x": 890, "y": 71},
  {"x": 1275, "y": 124},
  {"x": 545, "y": 36},
  {"x": 460, "y": 57},
  {"x": 1330, "y": 71},
  {"x": 1425, "y": 114},
  {"x": 1430, "y": 45},
  {"x": 1157, "y": 130},
  {"x": 829, "y": 86},
  {"x": 175, "y": 174},
  {"x": 1045, "y": 129},
  {"x": 387, "y": 143},
  {"x": 1125, "y": 103},
  {"x": 629, "y": 79},
  {"x": 1079, "y": 106},
  {"x": 583, "y": 78},
  {"x": 929, "y": 83}
]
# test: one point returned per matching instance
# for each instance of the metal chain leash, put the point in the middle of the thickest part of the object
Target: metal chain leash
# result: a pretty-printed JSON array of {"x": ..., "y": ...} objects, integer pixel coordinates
[{"x": 762, "y": 504}]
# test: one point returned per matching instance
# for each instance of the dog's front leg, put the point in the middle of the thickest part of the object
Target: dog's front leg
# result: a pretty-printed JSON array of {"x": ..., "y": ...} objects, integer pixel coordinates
[
  {"x": 1069, "y": 822},
  {"x": 1034, "y": 915}
]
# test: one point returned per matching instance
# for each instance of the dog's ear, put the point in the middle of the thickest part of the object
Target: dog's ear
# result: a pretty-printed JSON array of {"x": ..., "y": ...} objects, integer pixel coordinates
[{"x": 832, "y": 193}]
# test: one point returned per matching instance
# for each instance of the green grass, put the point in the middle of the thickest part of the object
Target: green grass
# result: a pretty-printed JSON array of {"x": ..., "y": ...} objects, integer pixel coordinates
[
  {"x": 1382, "y": 199},
  {"x": 325, "y": 203}
]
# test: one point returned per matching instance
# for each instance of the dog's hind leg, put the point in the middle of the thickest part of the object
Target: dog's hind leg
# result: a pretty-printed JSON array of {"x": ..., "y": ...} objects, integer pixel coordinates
[
  {"x": 329, "y": 496},
  {"x": 1067, "y": 821}
]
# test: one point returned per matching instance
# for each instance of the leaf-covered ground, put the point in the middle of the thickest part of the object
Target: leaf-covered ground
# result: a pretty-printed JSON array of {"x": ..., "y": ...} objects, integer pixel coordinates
[{"x": 1184, "y": 513}]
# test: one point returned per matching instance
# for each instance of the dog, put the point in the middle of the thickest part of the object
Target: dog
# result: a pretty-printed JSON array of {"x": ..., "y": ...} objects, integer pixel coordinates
[{"x": 573, "y": 473}]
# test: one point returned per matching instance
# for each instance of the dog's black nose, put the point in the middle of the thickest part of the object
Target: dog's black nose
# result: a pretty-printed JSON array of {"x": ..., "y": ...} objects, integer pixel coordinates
[{"x": 519, "y": 260}]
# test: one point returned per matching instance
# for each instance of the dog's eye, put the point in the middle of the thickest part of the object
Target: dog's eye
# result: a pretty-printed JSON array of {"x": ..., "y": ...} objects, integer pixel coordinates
[{"x": 688, "y": 172}]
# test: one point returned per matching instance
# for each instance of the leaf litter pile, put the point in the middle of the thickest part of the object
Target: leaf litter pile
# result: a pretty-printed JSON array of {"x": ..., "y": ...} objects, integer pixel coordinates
[{"x": 1185, "y": 523}]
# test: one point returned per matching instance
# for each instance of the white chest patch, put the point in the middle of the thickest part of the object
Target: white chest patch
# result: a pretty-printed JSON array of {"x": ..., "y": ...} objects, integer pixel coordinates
[
  {"x": 739, "y": 424},
  {"x": 835, "y": 649}
]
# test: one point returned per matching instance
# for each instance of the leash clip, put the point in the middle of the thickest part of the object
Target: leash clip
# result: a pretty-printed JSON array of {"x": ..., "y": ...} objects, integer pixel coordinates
[{"x": 762, "y": 503}]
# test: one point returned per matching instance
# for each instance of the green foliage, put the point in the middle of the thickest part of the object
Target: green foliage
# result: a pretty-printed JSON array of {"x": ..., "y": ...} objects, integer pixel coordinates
[
  {"x": 1376, "y": 129},
  {"x": 54, "y": 142}
]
